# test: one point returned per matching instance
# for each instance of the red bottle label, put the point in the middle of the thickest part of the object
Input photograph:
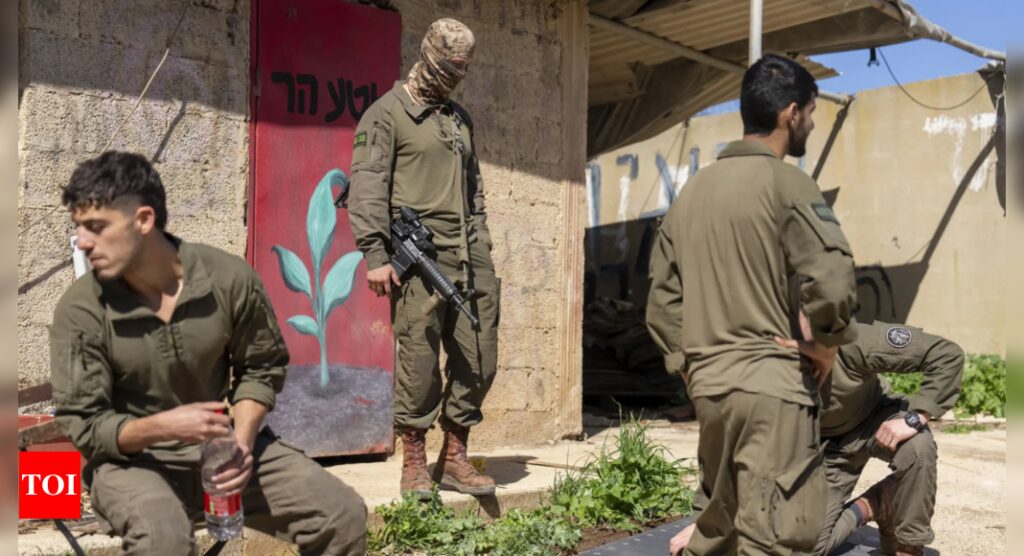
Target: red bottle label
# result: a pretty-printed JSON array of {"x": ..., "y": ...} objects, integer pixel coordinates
[{"x": 222, "y": 506}]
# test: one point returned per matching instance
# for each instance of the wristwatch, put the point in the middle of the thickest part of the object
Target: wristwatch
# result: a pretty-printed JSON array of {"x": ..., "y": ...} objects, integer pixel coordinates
[{"x": 913, "y": 420}]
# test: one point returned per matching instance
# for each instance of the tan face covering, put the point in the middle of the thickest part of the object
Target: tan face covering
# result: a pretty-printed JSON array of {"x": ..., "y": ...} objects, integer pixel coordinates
[{"x": 447, "y": 47}]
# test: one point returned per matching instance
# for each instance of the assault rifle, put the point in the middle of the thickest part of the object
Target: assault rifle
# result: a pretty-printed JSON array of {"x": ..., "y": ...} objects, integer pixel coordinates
[{"x": 412, "y": 244}]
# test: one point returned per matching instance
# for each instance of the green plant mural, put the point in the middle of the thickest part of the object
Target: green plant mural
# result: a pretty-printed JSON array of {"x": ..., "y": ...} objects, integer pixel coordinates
[{"x": 324, "y": 297}]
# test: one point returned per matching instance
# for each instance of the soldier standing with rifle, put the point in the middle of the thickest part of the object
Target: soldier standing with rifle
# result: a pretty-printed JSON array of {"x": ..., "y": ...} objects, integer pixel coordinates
[{"x": 414, "y": 148}]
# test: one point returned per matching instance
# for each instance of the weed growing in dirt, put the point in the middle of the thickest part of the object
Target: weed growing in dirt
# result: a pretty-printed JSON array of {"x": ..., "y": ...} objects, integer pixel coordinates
[
  {"x": 626, "y": 488},
  {"x": 411, "y": 525}
]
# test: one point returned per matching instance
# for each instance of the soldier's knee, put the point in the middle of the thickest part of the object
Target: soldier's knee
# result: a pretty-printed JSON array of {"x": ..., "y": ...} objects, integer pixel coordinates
[
  {"x": 338, "y": 517},
  {"x": 159, "y": 532},
  {"x": 919, "y": 451},
  {"x": 347, "y": 524},
  {"x": 344, "y": 524}
]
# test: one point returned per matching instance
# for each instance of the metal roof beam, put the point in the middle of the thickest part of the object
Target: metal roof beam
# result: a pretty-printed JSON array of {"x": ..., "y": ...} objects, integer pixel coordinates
[
  {"x": 886, "y": 7},
  {"x": 691, "y": 53}
]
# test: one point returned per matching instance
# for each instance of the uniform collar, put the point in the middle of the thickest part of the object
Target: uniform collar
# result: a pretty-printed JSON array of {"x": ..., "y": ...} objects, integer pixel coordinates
[
  {"x": 124, "y": 303},
  {"x": 746, "y": 148},
  {"x": 417, "y": 111}
]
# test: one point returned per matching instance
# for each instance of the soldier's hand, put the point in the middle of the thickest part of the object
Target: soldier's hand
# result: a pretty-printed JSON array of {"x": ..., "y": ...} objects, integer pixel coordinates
[
  {"x": 232, "y": 477},
  {"x": 893, "y": 432},
  {"x": 679, "y": 542},
  {"x": 380, "y": 279},
  {"x": 821, "y": 356},
  {"x": 195, "y": 422}
]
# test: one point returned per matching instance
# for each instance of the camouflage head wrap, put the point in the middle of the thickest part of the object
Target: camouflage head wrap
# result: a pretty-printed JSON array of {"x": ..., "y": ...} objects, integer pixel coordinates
[{"x": 434, "y": 77}]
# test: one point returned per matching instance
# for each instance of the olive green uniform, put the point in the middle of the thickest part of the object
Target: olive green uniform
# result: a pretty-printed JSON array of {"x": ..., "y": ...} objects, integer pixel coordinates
[
  {"x": 742, "y": 232},
  {"x": 858, "y": 401},
  {"x": 423, "y": 157},
  {"x": 113, "y": 360}
]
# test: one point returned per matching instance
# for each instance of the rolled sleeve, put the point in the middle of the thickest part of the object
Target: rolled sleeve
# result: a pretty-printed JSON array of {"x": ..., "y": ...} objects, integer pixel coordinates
[
  {"x": 107, "y": 432},
  {"x": 256, "y": 391},
  {"x": 259, "y": 355}
]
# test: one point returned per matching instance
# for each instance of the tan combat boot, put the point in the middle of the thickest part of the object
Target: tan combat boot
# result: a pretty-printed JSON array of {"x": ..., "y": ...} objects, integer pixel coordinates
[
  {"x": 414, "y": 464},
  {"x": 877, "y": 500},
  {"x": 453, "y": 467}
]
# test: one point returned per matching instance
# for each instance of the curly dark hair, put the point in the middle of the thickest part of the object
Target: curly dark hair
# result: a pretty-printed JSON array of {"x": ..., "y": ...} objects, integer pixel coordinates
[{"x": 117, "y": 179}]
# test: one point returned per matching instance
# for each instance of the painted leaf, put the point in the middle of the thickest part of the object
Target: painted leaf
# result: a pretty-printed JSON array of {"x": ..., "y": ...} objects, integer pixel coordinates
[
  {"x": 294, "y": 271},
  {"x": 304, "y": 325},
  {"x": 338, "y": 283},
  {"x": 321, "y": 219}
]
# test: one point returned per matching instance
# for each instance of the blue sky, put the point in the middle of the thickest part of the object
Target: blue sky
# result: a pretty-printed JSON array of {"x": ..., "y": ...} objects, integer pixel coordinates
[{"x": 993, "y": 24}]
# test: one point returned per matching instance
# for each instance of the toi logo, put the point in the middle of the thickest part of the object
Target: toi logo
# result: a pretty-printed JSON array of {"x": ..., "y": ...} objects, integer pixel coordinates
[{"x": 49, "y": 485}]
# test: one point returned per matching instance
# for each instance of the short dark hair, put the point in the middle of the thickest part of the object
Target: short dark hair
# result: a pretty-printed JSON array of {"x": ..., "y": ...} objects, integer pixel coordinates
[
  {"x": 769, "y": 86},
  {"x": 114, "y": 178}
]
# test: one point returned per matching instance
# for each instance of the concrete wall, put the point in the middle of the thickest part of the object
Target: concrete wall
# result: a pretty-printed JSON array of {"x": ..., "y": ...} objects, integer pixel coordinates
[
  {"x": 84, "y": 61},
  {"x": 82, "y": 65},
  {"x": 920, "y": 193}
]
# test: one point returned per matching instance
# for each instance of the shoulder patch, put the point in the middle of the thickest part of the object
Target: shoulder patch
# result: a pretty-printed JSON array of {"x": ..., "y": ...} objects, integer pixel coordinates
[
  {"x": 824, "y": 212},
  {"x": 360, "y": 139},
  {"x": 898, "y": 337}
]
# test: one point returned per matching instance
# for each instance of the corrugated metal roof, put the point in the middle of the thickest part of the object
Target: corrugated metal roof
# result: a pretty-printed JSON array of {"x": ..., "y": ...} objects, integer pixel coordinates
[{"x": 699, "y": 24}]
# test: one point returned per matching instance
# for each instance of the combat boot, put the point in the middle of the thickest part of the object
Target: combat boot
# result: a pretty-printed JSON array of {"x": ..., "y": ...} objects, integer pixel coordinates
[
  {"x": 453, "y": 467},
  {"x": 903, "y": 550},
  {"x": 878, "y": 502},
  {"x": 414, "y": 464}
]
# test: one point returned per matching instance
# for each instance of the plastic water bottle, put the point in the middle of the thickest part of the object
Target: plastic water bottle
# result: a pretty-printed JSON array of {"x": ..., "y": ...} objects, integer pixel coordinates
[{"x": 224, "y": 514}]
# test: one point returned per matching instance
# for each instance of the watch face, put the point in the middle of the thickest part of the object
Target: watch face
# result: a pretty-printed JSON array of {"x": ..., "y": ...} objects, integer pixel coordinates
[{"x": 912, "y": 420}]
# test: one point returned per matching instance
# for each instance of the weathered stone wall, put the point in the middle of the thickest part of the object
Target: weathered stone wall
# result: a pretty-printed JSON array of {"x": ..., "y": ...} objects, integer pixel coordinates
[
  {"x": 83, "y": 63},
  {"x": 920, "y": 193}
]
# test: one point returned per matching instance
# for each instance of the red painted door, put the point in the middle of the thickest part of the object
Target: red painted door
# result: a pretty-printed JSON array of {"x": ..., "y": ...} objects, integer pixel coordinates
[{"x": 317, "y": 65}]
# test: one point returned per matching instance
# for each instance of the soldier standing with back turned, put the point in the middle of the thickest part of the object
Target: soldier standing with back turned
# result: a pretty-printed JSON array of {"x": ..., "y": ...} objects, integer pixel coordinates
[
  {"x": 414, "y": 148},
  {"x": 742, "y": 234}
]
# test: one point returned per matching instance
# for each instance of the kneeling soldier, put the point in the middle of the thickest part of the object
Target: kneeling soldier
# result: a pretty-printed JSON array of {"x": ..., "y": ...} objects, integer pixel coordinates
[{"x": 863, "y": 419}]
